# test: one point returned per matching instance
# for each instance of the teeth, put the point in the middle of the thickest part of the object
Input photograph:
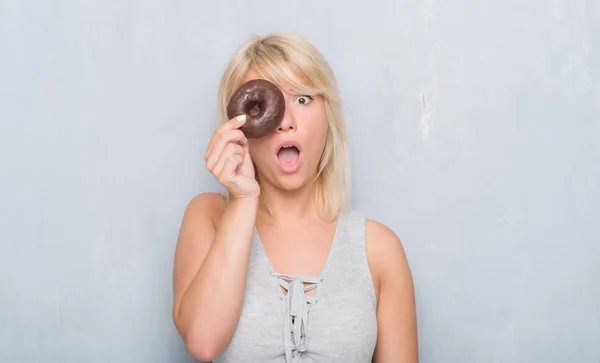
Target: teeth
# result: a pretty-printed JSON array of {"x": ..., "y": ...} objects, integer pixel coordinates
[{"x": 287, "y": 146}]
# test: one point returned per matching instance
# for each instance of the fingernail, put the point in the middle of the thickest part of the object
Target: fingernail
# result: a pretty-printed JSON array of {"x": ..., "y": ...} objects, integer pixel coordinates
[{"x": 241, "y": 117}]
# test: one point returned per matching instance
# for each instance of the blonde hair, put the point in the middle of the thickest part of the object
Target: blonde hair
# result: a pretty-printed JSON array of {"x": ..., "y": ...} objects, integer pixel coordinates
[{"x": 287, "y": 58}]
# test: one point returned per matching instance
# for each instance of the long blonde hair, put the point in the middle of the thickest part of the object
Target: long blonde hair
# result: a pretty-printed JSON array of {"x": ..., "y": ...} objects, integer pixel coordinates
[{"x": 287, "y": 58}]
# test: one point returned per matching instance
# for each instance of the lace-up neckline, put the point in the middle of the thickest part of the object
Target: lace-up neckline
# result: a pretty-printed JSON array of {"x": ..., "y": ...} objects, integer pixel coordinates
[{"x": 297, "y": 303}]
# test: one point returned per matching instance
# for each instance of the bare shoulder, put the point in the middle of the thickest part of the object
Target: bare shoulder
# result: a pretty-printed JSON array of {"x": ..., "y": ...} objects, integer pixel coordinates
[
  {"x": 396, "y": 315},
  {"x": 385, "y": 251},
  {"x": 381, "y": 234},
  {"x": 207, "y": 204},
  {"x": 201, "y": 216},
  {"x": 196, "y": 234}
]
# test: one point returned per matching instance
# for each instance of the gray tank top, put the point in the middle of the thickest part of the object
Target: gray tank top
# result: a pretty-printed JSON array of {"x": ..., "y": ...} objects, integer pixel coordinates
[{"x": 337, "y": 324}]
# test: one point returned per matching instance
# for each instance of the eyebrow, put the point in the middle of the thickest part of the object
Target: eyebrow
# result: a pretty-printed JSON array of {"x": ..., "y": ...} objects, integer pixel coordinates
[{"x": 297, "y": 92}]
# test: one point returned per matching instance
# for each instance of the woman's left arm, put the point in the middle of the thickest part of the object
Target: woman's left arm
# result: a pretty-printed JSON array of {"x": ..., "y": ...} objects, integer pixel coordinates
[{"x": 396, "y": 317}]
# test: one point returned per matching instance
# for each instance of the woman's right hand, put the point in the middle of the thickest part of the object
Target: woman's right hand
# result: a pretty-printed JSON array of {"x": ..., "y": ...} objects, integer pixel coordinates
[{"x": 228, "y": 159}]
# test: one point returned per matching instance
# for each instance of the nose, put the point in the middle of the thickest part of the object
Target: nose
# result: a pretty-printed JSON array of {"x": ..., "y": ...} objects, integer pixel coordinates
[{"x": 288, "y": 123}]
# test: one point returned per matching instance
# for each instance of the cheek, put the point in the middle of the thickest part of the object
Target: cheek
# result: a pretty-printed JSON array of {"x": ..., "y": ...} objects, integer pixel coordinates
[
  {"x": 317, "y": 122},
  {"x": 321, "y": 126},
  {"x": 319, "y": 137},
  {"x": 258, "y": 150}
]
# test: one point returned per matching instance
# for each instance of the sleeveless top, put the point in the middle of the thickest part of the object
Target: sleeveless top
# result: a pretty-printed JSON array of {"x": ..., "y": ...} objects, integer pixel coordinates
[{"x": 337, "y": 324}]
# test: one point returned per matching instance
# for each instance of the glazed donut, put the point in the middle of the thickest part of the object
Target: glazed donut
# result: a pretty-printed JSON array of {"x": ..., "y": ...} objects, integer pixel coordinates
[{"x": 263, "y": 104}]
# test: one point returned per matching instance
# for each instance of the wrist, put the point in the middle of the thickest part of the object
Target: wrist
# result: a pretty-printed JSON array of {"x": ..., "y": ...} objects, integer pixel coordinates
[{"x": 250, "y": 200}]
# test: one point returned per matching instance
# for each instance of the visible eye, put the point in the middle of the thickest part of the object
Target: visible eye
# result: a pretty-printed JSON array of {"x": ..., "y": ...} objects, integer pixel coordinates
[{"x": 303, "y": 100}]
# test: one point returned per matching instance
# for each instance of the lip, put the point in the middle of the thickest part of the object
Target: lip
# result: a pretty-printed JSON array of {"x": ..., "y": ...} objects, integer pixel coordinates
[
  {"x": 287, "y": 143},
  {"x": 288, "y": 168}
]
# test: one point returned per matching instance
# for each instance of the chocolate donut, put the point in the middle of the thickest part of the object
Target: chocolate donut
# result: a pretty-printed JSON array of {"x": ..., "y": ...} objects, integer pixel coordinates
[{"x": 263, "y": 104}]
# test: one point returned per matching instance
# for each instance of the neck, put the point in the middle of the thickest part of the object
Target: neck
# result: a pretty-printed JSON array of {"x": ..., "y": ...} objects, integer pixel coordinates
[{"x": 285, "y": 205}]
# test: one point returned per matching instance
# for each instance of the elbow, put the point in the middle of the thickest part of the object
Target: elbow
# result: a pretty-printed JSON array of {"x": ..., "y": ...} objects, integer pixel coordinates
[
  {"x": 201, "y": 347},
  {"x": 201, "y": 343}
]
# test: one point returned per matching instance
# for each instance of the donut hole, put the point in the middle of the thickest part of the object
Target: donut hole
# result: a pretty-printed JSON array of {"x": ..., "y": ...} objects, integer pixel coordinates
[{"x": 254, "y": 108}]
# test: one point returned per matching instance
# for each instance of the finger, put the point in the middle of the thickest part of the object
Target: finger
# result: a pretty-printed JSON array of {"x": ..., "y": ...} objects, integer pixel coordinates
[
  {"x": 222, "y": 139},
  {"x": 233, "y": 124},
  {"x": 224, "y": 136},
  {"x": 230, "y": 166},
  {"x": 229, "y": 151},
  {"x": 222, "y": 152},
  {"x": 246, "y": 149}
]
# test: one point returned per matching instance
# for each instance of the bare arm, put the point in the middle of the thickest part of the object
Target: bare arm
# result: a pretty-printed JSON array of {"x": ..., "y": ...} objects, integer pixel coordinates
[
  {"x": 209, "y": 275},
  {"x": 396, "y": 317},
  {"x": 213, "y": 247}
]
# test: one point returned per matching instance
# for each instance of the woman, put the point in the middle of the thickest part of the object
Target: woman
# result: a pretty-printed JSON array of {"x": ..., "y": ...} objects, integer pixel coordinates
[{"x": 281, "y": 269}]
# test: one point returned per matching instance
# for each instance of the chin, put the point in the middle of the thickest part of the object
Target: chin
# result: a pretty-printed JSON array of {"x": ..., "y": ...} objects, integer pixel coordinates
[{"x": 290, "y": 182}]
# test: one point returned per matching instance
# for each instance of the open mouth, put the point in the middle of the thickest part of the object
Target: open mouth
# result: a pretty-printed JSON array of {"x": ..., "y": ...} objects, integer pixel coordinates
[
  {"x": 288, "y": 154},
  {"x": 288, "y": 157}
]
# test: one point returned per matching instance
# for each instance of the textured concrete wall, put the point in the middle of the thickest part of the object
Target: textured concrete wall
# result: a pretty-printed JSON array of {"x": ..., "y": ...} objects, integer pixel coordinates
[{"x": 474, "y": 128}]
